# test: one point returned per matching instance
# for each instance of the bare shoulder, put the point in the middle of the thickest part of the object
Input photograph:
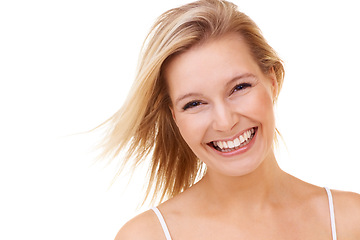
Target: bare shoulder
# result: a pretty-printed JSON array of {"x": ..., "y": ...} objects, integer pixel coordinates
[
  {"x": 347, "y": 214},
  {"x": 145, "y": 226}
]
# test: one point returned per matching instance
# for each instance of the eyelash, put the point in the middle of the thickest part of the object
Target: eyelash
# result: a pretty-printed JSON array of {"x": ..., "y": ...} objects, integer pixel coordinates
[
  {"x": 192, "y": 104},
  {"x": 196, "y": 103},
  {"x": 239, "y": 87}
]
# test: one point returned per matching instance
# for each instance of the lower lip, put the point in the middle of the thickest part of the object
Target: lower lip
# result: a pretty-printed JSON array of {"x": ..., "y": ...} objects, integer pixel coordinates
[{"x": 241, "y": 150}]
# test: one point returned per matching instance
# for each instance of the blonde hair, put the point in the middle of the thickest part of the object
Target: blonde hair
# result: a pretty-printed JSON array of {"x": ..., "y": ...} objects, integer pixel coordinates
[{"x": 144, "y": 125}]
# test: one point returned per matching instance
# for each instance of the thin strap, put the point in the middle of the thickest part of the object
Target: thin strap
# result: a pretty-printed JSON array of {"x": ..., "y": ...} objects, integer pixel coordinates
[
  {"x": 332, "y": 213},
  {"x": 162, "y": 222}
]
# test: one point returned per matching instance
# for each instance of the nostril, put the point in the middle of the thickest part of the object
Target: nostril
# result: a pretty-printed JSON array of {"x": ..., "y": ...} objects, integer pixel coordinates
[
  {"x": 224, "y": 117},
  {"x": 224, "y": 123}
]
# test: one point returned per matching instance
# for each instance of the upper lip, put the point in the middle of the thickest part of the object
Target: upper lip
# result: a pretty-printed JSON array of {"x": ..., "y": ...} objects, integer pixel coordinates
[{"x": 236, "y": 136}]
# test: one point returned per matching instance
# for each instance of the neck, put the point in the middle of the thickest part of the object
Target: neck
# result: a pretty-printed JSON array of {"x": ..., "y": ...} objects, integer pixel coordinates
[{"x": 254, "y": 190}]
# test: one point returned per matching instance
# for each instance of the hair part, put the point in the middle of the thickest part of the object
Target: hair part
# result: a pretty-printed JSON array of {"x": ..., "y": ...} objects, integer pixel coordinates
[{"x": 144, "y": 126}]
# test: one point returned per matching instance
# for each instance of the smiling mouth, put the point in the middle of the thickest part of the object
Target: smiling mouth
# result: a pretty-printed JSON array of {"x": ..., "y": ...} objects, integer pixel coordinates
[{"x": 239, "y": 142}]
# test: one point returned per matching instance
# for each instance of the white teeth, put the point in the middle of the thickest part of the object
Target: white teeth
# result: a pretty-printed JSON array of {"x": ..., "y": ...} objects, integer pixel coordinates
[
  {"x": 247, "y": 134},
  {"x": 237, "y": 142},
  {"x": 230, "y": 144}
]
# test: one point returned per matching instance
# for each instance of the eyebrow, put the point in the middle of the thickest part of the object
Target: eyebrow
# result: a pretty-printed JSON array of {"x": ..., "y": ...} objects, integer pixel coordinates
[{"x": 236, "y": 78}]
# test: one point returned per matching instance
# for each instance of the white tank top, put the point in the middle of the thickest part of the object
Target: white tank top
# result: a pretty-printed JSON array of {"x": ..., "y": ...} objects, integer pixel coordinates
[{"x": 331, "y": 208}]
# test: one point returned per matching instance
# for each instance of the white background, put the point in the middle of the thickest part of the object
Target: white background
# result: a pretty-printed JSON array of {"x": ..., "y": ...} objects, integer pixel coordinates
[{"x": 66, "y": 66}]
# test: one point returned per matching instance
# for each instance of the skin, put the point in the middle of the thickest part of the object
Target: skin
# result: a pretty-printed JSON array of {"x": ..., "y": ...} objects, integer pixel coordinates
[{"x": 244, "y": 195}]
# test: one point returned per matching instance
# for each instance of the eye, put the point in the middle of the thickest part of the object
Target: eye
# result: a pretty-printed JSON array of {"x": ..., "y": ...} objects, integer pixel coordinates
[
  {"x": 192, "y": 104},
  {"x": 240, "y": 87}
]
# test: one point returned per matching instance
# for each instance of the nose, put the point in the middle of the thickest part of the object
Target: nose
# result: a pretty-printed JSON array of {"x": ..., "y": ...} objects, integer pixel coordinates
[{"x": 224, "y": 117}]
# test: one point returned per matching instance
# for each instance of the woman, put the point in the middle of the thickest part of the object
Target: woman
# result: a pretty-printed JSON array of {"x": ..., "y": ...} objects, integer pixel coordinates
[{"x": 202, "y": 107}]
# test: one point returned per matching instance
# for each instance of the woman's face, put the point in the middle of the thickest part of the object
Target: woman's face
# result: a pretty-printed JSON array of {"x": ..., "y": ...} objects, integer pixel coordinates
[{"x": 222, "y": 104}]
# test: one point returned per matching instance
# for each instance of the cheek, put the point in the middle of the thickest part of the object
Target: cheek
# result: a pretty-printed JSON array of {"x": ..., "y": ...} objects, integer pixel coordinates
[
  {"x": 265, "y": 111},
  {"x": 258, "y": 106},
  {"x": 191, "y": 127}
]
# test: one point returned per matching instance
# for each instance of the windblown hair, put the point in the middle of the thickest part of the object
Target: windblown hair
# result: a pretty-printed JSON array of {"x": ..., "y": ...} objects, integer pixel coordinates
[{"x": 144, "y": 126}]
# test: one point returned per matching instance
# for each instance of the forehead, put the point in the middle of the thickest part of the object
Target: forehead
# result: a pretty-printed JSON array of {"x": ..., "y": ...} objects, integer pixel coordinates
[{"x": 216, "y": 60}]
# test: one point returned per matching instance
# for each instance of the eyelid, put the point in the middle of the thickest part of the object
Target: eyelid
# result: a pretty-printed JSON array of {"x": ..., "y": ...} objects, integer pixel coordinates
[
  {"x": 244, "y": 86},
  {"x": 189, "y": 104}
]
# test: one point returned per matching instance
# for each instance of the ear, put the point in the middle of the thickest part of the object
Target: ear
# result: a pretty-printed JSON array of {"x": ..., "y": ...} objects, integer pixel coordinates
[{"x": 274, "y": 83}]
